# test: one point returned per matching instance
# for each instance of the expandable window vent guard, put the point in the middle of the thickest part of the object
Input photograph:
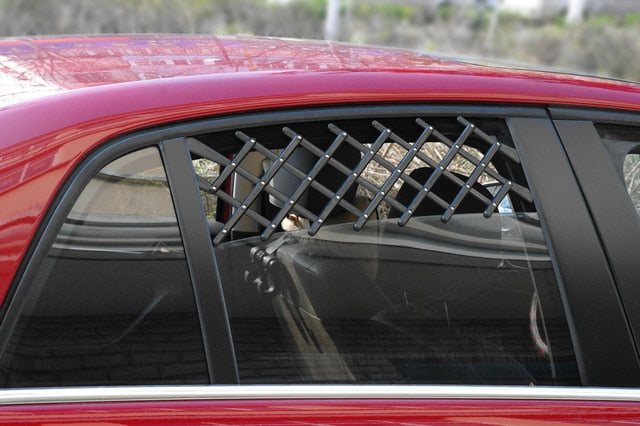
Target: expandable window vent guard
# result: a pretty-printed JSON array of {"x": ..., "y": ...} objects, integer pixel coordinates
[{"x": 241, "y": 207}]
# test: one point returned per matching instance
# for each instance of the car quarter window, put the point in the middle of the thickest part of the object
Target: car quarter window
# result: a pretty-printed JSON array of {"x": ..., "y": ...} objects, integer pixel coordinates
[
  {"x": 111, "y": 302},
  {"x": 383, "y": 250}
]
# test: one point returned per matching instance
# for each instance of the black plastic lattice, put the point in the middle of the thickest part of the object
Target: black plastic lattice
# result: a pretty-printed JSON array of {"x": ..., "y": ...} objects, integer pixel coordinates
[{"x": 369, "y": 151}]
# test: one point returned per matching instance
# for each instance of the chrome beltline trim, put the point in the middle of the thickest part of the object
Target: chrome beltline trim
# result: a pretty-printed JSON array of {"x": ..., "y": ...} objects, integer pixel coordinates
[{"x": 262, "y": 392}]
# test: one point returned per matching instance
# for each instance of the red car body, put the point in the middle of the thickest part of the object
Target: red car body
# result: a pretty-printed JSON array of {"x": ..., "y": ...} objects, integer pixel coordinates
[{"x": 61, "y": 98}]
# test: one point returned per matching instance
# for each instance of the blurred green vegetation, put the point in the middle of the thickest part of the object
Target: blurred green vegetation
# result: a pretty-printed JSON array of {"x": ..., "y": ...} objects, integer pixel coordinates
[
  {"x": 601, "y": 44},
  {"x": 393, "y": 11}
]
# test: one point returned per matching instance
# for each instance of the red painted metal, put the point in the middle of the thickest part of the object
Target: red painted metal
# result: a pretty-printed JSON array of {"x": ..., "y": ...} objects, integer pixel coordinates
[
  {"x": 333, "y": 412},
  {"x": 62, "y": 97},
  {"x": 36, "y": 67}
]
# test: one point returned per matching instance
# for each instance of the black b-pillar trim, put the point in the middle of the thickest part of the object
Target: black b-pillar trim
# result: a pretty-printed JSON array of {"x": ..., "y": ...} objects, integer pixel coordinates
[
  {"x": 603, "y": 344},
  {"x": 205, "y": 277}
]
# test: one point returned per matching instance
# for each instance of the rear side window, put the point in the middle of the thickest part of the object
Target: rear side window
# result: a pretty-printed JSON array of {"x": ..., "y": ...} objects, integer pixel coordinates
[
  {"x": 111, "y": 303},
  {"x": 405, "y": 250},
  {"x": 367, "y": 250}
]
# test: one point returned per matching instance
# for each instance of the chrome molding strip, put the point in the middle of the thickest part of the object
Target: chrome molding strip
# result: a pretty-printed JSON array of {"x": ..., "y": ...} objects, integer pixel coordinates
[{"x": 262, "y": 392}]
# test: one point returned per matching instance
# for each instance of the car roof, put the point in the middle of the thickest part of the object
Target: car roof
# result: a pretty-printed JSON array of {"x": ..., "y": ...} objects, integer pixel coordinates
[
  {"x": 35, "y": 67},
  {"x": 38, "y": 66}
]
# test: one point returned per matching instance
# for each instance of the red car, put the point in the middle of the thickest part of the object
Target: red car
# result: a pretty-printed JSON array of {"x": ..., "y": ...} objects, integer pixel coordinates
[{"x": 203, "y": 230}]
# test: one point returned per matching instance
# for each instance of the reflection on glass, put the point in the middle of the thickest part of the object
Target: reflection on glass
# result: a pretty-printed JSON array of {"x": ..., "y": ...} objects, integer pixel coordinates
[
  {"x": 111, "y": 303},
  {"x": 472, "y": 301}
]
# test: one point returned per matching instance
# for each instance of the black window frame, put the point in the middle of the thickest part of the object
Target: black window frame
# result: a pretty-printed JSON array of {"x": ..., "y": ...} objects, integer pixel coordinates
[{"x": 599, "y": 365}]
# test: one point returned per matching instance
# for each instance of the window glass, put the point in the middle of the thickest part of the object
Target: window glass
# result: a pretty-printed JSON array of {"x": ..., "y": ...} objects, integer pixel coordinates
[
  {"x": 111, "y": 303},
  {"x": 631, "y": 170},
  {"x": 623, "y": 144},
  {"x": 208, "y": 171},
  {"x": 316, "y": 296}
]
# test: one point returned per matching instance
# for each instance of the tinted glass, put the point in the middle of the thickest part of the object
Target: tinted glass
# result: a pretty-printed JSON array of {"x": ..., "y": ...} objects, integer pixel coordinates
[
  {"x": 467, "y": 298},
  {"x": 111, "y": 303}
]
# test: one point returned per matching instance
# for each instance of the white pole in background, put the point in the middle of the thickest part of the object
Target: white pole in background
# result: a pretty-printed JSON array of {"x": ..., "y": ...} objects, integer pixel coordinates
[
  {"x": 332, "y": 20},
  {"x": 575, "y": 12}
]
